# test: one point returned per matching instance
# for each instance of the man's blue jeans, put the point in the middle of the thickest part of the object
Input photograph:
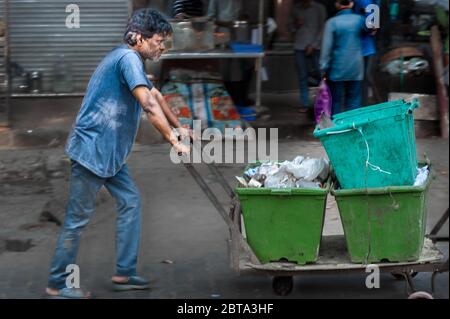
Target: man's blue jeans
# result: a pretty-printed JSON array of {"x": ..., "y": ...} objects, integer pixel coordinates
[
  {"x": 304, "y": 64},
  {"x": 345, "y": 93},
  {"x": 84, "y": 186}
]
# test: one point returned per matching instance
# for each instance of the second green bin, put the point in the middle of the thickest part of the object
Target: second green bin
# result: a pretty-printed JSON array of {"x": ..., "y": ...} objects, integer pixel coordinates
[{"x": 384, "y": 224}]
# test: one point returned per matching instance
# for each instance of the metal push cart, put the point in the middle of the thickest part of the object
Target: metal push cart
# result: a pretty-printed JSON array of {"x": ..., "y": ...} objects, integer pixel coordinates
[{"x": 333, "y": 257}]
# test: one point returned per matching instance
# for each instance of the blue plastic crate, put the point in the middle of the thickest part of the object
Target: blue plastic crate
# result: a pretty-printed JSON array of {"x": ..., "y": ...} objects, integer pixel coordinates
[{"x": 246, "y": 48}]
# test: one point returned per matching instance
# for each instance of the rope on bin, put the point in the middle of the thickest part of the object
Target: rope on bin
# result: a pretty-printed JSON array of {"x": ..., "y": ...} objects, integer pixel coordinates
[{"x": 368, "y": 164}]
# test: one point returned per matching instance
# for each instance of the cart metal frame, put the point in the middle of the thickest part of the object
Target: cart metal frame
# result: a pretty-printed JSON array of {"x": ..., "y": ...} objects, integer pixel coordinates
[{"x": 333, "y": 258}]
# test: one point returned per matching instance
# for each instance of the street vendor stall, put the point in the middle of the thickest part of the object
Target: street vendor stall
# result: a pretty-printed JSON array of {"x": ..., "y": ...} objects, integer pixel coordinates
[
  {"x": 195, "y": 40},
  {"x": 224, "y": 54}
]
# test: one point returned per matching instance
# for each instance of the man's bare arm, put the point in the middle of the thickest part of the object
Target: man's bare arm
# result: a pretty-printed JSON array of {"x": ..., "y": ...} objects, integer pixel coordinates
[
  {"x": 154, "y": 113},
  {"x": 171, "y": 118}
]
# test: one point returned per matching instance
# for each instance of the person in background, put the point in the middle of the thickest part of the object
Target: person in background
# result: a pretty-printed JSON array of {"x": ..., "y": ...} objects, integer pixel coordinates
[
  {"x": 225, "y": 12},
  {"x": 368, "y": 47},
  {"x": 341, "y": 60},
  {"x": 185, "y": 9},
  {"x": 308, "y": 20},
  {"x": 237, "y": 74},
  {"x": 329, "y": 6}
]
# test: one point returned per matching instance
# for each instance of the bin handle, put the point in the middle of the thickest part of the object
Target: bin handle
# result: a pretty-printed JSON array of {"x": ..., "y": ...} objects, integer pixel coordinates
[
  {"x": 281, "y": 191},
  {"x": 414, "y": 104},
  {"x": 348, "y": 127}
]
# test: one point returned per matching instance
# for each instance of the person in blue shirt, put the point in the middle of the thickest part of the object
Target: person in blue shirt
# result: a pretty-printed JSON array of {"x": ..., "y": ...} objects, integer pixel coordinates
[
  {"x": 341, "y": 60},
  {"x": 368, "y": 45},
  {"x": 99, "y": 144}
]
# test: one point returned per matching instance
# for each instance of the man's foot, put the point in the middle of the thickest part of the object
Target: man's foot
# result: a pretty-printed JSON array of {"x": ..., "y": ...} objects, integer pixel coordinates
[
  {"x": 67, "y": 293},
  {"x": 119, "y": 279},
  {"x": 122, "y": 283}
]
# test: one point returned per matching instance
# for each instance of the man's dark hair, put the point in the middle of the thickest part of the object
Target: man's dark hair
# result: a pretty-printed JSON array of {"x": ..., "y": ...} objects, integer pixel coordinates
[{"x": 146, "y": 22}]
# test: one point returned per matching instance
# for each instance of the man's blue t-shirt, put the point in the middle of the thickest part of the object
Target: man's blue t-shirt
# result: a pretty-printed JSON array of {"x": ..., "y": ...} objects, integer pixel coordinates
[{"x": 107, "y": 123}]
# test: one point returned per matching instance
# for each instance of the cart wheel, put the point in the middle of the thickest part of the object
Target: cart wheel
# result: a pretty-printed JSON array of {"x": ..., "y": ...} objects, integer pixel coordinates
[
  {"x": 399, "y": 276},
  {"x": 282, "y": 285},
  {"x": 420, "y": 295}
]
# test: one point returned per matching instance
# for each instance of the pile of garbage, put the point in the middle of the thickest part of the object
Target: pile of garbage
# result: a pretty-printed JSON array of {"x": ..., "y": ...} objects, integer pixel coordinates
[
  {"x": 422, "y": 176},
  {"x": 302, "y": 172}
]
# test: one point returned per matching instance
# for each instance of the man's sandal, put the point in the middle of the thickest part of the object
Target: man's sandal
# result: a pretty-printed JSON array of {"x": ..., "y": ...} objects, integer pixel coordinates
[
  {"x": 133, "y": 283},
  {"x": 70, "y": 293}
]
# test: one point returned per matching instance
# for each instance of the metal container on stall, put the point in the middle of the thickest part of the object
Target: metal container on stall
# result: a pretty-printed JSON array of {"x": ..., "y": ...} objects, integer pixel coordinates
[
  {"x": 194, "y": 34},
  {"x": 240, "y": 32}
]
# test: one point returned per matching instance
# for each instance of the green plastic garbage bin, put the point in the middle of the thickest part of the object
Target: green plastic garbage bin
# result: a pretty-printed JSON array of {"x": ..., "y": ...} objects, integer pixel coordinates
[
  {"x": 373, "y": 146},
  {"x": 384, "y": 224},
  {"x": 284, "y": 224}
]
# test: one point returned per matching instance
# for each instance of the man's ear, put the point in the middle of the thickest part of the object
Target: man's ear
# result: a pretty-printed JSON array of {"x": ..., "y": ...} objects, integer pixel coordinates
[{"x": 139, "y": 39}]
